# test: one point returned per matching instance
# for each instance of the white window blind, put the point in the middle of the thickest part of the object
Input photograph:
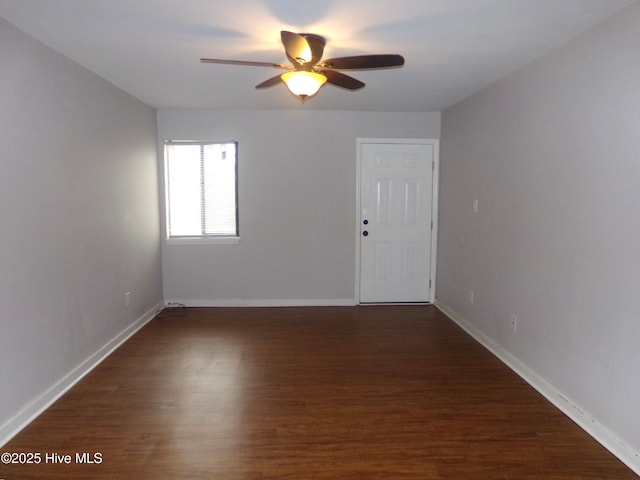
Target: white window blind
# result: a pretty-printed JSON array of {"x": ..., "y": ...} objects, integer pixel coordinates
[{"x": 201, "y": 189}]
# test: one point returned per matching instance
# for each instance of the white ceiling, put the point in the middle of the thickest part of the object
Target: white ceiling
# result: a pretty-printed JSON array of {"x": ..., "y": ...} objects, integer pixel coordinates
[{"x": 452, "y": 48}]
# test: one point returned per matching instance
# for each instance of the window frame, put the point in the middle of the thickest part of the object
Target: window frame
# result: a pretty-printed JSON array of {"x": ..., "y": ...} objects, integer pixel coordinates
[{"x": 204, "y": 239}]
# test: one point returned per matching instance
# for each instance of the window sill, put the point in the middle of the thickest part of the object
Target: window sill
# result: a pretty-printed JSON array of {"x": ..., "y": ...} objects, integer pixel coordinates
[{"x": 203, "y": 241}]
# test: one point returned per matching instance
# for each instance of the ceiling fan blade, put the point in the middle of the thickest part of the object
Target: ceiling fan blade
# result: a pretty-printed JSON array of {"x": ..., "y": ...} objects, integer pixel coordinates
[
  {"x": 296, "y": 47},
  {"x": 243, "y": 62},
  {"x": 270, "y": 82},
  {"x": 363, "y": 62},
  {"x": 316, "y": 44},
  {"x": 342, "y": 80}
]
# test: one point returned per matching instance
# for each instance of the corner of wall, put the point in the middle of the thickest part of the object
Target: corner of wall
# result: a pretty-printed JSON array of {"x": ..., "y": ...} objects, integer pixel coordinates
[
  {"x": 39, "y": 404},
  {"x": 562, "y": 402}
]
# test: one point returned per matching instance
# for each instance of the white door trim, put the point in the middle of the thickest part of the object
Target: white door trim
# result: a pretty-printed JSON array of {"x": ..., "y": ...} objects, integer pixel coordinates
[{"x": 434, "y": 212}]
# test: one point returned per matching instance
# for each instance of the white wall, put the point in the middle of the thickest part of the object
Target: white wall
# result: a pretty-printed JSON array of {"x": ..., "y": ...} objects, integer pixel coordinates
[
  {"x": 79, "y": 222},
  {"x": 297, "y": 182},
  {"x": 551, "y": 153}
]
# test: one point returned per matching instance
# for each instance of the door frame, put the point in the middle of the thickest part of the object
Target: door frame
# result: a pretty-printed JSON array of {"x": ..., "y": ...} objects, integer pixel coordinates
[{"x": 434, "y": 206}]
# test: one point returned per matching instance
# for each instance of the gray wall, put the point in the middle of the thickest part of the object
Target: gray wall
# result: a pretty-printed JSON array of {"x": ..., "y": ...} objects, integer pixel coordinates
[
  {"x": 297, "y": 184},
  {"x": 551, "y": 154},
  {"x": 79, "y": 221}
]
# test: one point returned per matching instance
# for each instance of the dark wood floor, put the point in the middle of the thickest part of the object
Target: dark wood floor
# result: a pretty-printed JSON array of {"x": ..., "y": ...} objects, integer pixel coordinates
[{"x": 392, "y": 392}]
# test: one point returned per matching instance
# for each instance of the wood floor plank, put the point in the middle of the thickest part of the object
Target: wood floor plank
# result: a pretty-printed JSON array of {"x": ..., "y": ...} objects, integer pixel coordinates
[{"x": 385, "y": 392}]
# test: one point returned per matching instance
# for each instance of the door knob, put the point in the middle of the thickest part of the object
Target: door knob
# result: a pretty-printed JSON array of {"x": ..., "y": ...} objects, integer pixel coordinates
[
  {"x": 366, "y": 222},
  {"x": 365, "y": 233}
]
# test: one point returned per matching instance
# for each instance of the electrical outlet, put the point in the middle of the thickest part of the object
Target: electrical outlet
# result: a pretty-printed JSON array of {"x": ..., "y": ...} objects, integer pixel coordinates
[
  {"x": 127, "y": 299},
  {"x": 475, "y": 206},
  {"x": 471, "y": 297},
  {"x": 514, "y": 323}
]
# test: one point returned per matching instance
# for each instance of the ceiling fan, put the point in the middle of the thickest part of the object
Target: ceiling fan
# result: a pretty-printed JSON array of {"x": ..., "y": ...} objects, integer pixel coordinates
[{"x": 308, "y": 72}]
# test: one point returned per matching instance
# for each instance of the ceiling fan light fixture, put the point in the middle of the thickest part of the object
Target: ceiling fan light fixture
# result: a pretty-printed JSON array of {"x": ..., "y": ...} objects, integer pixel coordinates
[
  {"x": 307, "y": 73},
  {"x": 302, "y": 83}
]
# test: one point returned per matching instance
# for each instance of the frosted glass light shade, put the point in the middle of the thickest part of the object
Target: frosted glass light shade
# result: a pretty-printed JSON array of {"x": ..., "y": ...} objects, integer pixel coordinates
[{"x": 303, "y": 84}]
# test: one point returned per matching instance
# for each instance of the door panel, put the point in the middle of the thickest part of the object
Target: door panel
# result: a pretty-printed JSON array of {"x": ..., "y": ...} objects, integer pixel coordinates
[{"x": 396, "y": 209}]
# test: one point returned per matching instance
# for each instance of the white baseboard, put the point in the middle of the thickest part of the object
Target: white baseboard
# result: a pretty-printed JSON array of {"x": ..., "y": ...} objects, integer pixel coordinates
[
  {"x": 39, "y": 404},
  {"x": 588, "y": 423},
  {"x": 323, "y": 302}
]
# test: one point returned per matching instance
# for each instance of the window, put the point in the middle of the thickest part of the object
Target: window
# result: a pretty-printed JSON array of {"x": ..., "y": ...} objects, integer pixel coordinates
[{"x": 201, "y": 190}]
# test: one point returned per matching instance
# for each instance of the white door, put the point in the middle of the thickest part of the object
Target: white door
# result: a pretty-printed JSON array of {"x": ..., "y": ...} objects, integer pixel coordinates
[{"x": 396, "y": 200}]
